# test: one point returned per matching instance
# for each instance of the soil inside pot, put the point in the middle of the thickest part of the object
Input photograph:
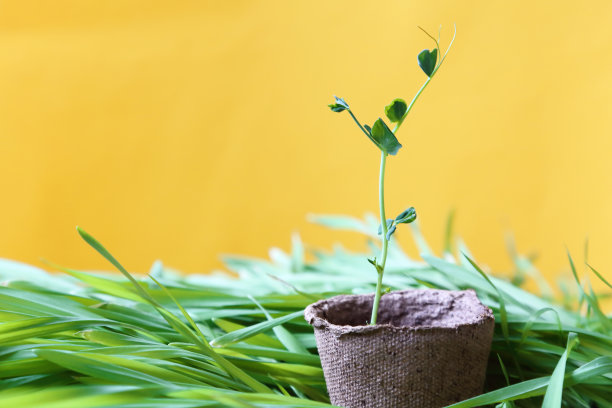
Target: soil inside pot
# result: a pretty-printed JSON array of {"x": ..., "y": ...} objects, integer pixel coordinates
[{"x": 423, "y": 308}]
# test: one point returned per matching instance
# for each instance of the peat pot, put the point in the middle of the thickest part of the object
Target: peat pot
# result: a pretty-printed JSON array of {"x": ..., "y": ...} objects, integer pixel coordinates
[{"x": 429, "y": 349}]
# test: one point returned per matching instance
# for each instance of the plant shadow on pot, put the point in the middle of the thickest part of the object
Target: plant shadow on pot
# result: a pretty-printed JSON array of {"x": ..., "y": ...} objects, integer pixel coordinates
[{"x": 429, "y": 349}]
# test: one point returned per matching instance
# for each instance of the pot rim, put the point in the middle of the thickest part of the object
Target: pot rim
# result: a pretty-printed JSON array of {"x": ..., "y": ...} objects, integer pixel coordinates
[{"x": 313, "y": 311}]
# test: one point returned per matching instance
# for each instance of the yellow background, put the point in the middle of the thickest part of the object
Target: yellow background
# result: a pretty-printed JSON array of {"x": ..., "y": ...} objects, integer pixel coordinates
[{"x": 184, "y": 130}]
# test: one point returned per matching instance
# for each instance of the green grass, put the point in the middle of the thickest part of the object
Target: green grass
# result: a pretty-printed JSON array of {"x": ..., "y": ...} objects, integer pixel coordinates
[{"x": 84, "y": 340}]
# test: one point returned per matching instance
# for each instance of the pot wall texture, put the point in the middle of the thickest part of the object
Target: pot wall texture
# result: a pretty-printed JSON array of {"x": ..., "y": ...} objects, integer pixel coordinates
[{"x": 430, "y": 349}]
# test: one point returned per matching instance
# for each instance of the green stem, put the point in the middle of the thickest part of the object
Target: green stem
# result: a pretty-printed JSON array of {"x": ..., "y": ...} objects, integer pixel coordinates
[
  {"x": 412, "y": 103},
  {"x": 428, "y": 79},
  {"x": 358, "y": 124},
  {"x": 385, "y": 243}
]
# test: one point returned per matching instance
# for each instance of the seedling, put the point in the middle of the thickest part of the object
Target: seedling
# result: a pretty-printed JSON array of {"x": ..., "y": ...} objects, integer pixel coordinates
[{"x": 385, "y": 140}]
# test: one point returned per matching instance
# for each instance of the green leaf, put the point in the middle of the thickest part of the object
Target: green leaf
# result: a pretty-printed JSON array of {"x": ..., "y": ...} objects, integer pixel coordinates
[
  {"x": 427, "y": 61},
  {"x": 260, "y": 339},
  {"x": 99, "y": 337},
  {"x": 107, "y": 255},
  {"x": 389, "y": 224},
  {"x": 591, "y": 300},
  {"x": 396, "y": 109},
  {"x": 342, "y": 222},
  {"x": 448, "y": 234},
  {"x": 502, "y": 305},
  {"x": 390, "y": 231},
  {"x": 339, "y": 106},
  {"x": 534, "y": 317},
  {"x": 384, "y": 138},
  {"x": 375, "y": 264},
  {"x": 552, "y": 398},
  {"x": 599, "y": 276},
  {"x": 284, "y": 335},
  {"x": 116, "y": 368},
  {"x": 503, "y": 368},
  {"x": 174, "y": 322},
  {"x": 406, "y": 216},
  {"x": 277, "y": 354},
  {"x": 250, "y": 331}
]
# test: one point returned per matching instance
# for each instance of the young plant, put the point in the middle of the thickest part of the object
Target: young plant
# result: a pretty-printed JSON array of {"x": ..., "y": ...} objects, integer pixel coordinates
[{"x": 384, "y": 138}]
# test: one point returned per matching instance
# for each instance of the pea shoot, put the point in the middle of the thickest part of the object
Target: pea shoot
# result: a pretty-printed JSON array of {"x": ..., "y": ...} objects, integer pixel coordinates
[{"x": 386, "y": 141}]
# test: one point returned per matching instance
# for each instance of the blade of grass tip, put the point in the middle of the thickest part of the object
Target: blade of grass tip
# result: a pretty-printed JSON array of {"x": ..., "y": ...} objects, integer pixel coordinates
[
  {"x": 534, "y": 317},
  {"x": 464, "y": 250},
  {"x": 519, "y": 273},
  {"x": 591, "y": 301},
  {"x": 105, "y": 367},
  {"x": 520, "y": 390},
  {"x": 186, "y": 315},
  {"x": 573, "y": 268},
  {"x": 296, "y": 290},
  {"x": 101, "y": 284},
  {"x": 205, "y": 347},
  {"x": 606, "y": 322},
  {"x": 284, "y": 335},
  {"x": 40, "y": 327},
  {"x": 568, "y": 298},
  {"x": 246, "y": 332},
  {"x": 599, "y": 398},
  {"x": 502, "y": 314},
  {"x": 503, "y": 368},
  {"x": 425, "y": 284},
  {"x": 599, "y": 276},
  {"x": 176, "y": 323},
  {"x": 299, "y": 393},
  {"x": 417, "y": 235},
  {"x": 107, "y": 255},
  {"x": 502, "y": 305},
  {"x": 342, "y": 222},
  {"x": 261, "y": 339},
  {"x": 577, "y": 399},
  {"x": 448, "y": 234},
  {"x": 554, "y": 392},
  {"x": 586, "y": 250},
  {"x": 297, "y": 253},
  {"x": 282, "y": 390}
]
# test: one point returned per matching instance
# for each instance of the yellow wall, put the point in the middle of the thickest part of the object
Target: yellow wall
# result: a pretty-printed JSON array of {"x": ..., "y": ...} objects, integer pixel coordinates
[{"x": 182, "y": 130}]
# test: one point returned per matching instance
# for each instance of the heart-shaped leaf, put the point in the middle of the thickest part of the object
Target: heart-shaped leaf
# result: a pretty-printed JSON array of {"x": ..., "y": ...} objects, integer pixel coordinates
[
  {"x": 384, "y": 138},
  {"x": 427, "y": 60},
  {"x": 339, "y": 106},
  {"x": 406, "y": 216},
  {"x": 396, "y": 110}
]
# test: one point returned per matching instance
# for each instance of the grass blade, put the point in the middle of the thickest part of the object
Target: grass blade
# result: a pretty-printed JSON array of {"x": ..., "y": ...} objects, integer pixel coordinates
[
  {"x": 552, "y": 398},
  {"x": 599, "y": 276},
  {"x": 284, "y": 335},
  {"x": 250, "y": 331}
]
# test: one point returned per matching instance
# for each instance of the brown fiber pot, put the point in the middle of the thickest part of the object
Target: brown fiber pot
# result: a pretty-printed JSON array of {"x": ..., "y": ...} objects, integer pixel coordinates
[{"x": 429, "y": 349}]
